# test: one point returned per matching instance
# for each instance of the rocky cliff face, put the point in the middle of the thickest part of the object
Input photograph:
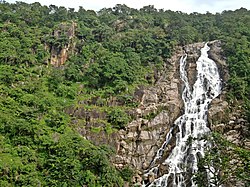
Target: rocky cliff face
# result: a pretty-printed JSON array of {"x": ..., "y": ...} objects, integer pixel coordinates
[
  {"x": 227, "y": 118},
  {"x": 143, "y": 137},
  {"x": 65, "y": 34},
  {"x": 160, "y": 105},
  {"x": 138, "y": 144}
]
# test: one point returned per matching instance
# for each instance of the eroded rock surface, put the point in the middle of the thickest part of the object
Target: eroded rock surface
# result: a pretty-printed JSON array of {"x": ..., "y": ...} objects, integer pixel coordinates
[
  {"x": 227, "y": 118},
  {"x": 138, "y": 144},
  {"x": 60, "y": 53}
]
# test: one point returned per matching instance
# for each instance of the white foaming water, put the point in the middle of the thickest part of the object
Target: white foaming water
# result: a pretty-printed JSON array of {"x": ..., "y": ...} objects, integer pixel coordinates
[{"x": 191, "y": 126}]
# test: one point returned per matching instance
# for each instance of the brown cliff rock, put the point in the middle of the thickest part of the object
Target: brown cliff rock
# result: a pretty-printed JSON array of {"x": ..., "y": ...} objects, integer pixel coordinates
[
  {"x": 227, "y": 118},
  {"x": 143, "y": 137},
  {"x": 60, "y": 51}
]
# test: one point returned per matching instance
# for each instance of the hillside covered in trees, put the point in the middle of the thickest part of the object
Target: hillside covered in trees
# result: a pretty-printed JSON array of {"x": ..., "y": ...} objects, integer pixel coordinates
[{"x": 53, "y": 59}]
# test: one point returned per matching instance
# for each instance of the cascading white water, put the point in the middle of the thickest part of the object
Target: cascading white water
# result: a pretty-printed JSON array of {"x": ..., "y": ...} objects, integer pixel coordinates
[{"x": 191, "y": 126}]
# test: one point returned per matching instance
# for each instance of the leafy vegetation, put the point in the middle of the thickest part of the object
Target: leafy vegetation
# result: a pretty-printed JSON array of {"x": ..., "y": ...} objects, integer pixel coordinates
[
  {"x": 226, "y": 163},
  {"x": 118, "y": 118},
  {"x": 110, "y": 53}
]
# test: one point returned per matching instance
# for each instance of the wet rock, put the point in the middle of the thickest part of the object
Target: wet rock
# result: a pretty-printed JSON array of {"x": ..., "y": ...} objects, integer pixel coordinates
[
  {"x": 151, "y": 177},
  {"x": 216, "y": 53},
  {"x": 163, "y": 169},
  {"x": 193, "y": 51}
]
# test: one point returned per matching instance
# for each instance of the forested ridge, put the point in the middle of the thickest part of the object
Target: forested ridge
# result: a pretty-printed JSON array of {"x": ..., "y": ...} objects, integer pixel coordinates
[{"x": 110, "y": 54}]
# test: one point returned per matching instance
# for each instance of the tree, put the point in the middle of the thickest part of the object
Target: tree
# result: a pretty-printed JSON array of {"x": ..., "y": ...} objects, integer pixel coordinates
[{"x": 224, "y": 162}]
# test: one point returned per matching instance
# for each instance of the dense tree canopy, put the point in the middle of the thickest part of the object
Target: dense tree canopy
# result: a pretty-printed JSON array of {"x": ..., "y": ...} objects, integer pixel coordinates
[{"x": 115, "y": 50}]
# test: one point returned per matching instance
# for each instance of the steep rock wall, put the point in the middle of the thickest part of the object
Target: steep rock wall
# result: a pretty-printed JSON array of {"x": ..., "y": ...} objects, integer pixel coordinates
[
  {"x": 138, "y": 144},
  {"x": 143, "y": 137},
  {"x": 160, "y": 105},
  {"x": 228, "y": 118},
  {"x": 63, "y": 43}
]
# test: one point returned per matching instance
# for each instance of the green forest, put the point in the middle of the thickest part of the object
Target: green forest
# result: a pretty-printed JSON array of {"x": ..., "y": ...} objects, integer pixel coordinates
[{"x": 110, "y": 53}]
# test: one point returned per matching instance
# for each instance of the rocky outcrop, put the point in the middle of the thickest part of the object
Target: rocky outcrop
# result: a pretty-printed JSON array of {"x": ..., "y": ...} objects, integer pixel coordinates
[
  {"x": 231, "y": 122},
  {"x": 227, "y": 118},
  {"x": 159, "y": 106},
  {"x": 63, "y": 43},
  {"x": 193, "y": 51}
]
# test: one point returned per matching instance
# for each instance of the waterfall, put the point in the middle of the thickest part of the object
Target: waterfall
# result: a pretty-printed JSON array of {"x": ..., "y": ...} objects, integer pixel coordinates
[{"x": 189, "y": 128}]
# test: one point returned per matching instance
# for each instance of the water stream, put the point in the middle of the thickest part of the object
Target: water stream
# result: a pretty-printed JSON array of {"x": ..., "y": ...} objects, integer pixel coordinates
[{"x": 189, "y": 128}]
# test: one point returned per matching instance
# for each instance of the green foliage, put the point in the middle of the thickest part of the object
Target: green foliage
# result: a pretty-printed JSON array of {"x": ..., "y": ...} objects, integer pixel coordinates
[
  {"x": 115, "y": 50},
  {"x": 37, "y": 147},
  {"x": 225, "y": 161},
  {"x": 118, "y": 118},
  {"x": 127, "y": 173}
]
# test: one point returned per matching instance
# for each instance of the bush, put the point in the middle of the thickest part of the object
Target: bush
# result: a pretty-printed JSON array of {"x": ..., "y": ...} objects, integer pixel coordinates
[
  {"x": 127, "y": 173},
  {"x": 118, "y": 118}
]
